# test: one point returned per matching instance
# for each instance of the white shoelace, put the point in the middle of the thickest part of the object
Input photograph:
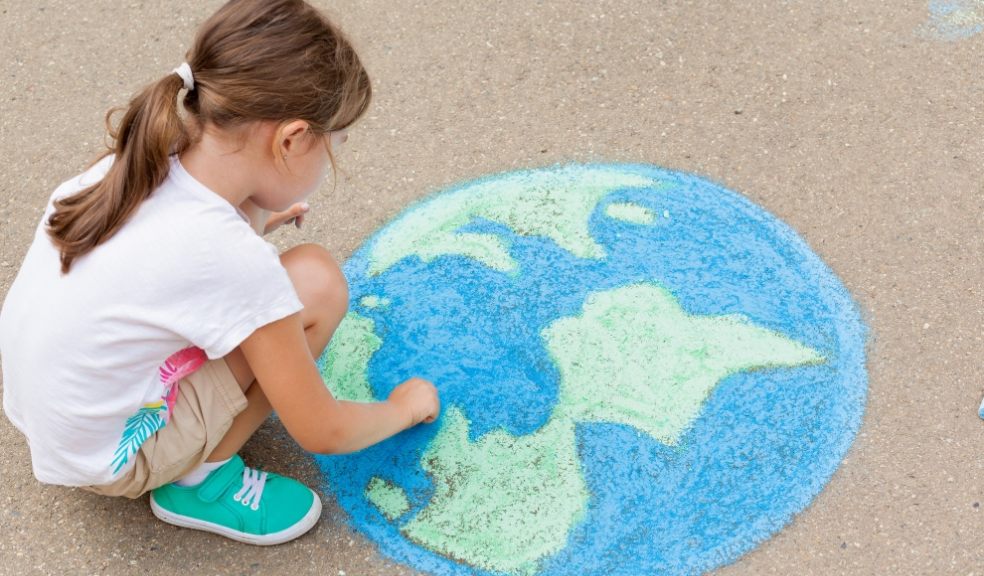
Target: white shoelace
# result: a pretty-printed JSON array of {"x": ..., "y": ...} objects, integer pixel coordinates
[{"x": 252, "y": 490}]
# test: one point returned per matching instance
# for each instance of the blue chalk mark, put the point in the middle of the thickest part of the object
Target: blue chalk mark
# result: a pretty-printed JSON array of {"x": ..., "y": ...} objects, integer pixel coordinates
[
  {"x": 766, "y": 442},
  {"x": 954, "y": 20}
]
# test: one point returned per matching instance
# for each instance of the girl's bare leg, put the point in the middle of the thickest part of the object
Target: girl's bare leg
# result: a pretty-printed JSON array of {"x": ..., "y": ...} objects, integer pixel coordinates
[{"x": 323, "y": 290}]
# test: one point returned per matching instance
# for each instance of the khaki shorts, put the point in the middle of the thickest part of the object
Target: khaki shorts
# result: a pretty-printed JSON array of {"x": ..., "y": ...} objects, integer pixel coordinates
[{"x": 208, "y": 400}]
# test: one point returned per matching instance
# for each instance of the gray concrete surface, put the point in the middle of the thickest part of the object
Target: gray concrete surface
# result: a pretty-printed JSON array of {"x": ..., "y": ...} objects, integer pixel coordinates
[{"x": 842, "y": 118}]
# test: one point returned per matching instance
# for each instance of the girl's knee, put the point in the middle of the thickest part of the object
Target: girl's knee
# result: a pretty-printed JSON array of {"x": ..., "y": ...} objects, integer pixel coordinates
[{"x": 317, "y": 278}]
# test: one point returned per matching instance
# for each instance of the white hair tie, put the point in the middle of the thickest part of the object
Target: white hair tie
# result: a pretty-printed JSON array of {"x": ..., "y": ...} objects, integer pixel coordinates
[{"x": 185, "y": 72}]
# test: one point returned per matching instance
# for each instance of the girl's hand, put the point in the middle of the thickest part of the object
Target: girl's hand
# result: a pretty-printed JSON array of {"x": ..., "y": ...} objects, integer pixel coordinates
[
  {"x": 418, "y": 399},
  {"x": 293, "y": 214}
]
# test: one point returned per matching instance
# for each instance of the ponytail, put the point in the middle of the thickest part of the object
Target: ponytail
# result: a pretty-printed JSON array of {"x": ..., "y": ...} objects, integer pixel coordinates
[{"x": 150, "y": 131}]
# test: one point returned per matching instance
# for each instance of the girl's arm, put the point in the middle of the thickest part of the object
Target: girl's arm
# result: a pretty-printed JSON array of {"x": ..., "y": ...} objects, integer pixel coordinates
[
  {"x": 264, "y": 221},
  {"x": 281, "y": 361},
  {"x": 257, "y": 216}
]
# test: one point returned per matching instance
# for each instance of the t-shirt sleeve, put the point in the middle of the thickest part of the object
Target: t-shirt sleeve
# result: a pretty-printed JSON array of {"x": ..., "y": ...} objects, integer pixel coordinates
[{"x": 240, "y": 285}]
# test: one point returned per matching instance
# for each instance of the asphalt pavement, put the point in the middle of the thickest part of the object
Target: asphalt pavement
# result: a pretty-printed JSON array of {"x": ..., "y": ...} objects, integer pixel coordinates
[{"x": 859, "y": 124}]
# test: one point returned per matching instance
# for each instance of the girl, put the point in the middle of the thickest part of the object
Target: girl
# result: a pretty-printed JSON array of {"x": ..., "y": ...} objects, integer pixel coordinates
[{"x": 151, "y": 330}]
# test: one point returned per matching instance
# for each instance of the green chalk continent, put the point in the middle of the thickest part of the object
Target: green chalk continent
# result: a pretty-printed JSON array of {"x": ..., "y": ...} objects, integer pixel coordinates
[
  {"x": 373, "y": 301},
  {"x": 503, "y": 502},
  {"x": 552, "y": 203},
  {"x": 633, "y": 357},
  {"x": 628, "y": 212},
  {"x": 388, "y": 497},
  {"x": 347, "y": 358}
]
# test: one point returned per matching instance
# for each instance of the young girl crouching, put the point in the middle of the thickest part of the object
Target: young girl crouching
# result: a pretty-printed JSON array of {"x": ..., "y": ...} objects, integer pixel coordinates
[{"x": 150, "y": 329}]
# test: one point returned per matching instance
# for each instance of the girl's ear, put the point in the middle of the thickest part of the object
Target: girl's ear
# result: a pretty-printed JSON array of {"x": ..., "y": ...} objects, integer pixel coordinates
[{"x": 290, "y": 137}]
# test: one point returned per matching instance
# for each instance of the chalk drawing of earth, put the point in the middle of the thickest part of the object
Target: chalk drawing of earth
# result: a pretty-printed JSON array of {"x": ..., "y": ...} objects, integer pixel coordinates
[{"x": 641, "y": 373}]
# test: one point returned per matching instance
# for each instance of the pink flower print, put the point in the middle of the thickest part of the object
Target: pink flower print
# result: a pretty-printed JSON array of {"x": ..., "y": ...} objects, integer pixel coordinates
[{"x": 179, "y": 365}]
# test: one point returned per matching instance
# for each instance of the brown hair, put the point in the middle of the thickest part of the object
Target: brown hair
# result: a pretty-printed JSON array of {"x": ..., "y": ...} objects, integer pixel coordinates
[{"x": 252, "y": 60}]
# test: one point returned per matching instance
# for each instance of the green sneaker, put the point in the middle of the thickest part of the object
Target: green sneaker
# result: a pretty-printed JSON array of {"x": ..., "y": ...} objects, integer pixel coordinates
[{"x": 240, "y": 503}]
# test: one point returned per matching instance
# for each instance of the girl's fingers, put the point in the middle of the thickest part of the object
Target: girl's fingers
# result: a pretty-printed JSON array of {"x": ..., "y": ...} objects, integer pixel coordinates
[
  {"x": 302, "y": 209},
  {"x": 294, "y": 214}
]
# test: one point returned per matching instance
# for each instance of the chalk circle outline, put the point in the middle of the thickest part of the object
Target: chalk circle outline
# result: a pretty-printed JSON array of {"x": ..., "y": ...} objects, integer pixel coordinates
[{"x": 845, "y": 364}]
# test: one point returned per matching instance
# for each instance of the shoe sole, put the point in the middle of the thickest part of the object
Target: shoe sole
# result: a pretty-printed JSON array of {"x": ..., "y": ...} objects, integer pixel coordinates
[{"x": 285, "y": 535}]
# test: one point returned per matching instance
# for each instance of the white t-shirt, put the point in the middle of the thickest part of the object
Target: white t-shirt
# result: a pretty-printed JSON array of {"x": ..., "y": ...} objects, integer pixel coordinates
[{"x": 90, "y": 358}]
